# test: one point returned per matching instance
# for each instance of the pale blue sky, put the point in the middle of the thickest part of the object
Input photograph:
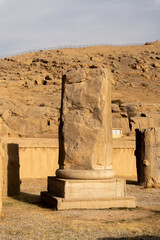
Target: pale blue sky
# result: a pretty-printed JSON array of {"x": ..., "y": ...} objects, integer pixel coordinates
[{"x": 37, "y": 24}]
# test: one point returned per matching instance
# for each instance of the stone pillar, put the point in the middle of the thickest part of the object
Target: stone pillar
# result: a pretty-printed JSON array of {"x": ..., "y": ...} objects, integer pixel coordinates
[
  {"x": 85, "y": 175},
  {"x": 148, "y": 156},
  {"x": 85, "y": 132}
]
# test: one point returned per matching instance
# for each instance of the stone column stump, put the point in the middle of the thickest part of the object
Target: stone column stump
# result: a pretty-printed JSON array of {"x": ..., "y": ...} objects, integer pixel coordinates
[
  {"x": 85, "y": 178},
  {"x": 148, "y": 156}
]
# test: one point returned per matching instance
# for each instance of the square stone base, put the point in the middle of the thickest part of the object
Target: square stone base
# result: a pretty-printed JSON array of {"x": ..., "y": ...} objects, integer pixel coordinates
[{"x": 87, "y": 194}]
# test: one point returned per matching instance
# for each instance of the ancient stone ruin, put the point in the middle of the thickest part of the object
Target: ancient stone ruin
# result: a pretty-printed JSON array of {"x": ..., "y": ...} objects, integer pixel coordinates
[
  {"x": 85, "y": 178},
  {"x": 11, "y": 165},
  {"x": 148, "y": 156},
  {"x": 85, "y": 129}
]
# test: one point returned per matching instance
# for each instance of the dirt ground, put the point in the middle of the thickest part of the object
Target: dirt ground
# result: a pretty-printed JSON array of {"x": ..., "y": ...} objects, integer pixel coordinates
[{"x": 24, "y": 217}]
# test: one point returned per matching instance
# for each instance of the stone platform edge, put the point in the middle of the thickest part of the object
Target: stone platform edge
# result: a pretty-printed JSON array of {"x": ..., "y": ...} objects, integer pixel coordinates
[{"x": 59, "y": 203}]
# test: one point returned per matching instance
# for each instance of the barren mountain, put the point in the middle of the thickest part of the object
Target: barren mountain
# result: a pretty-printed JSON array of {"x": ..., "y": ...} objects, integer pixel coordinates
[{"x": 30, "y": 87}]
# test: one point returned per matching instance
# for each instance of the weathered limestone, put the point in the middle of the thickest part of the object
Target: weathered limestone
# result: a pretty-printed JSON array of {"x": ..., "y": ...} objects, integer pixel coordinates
[
  {"x": 148, "y": 156},
  {"x": 87, "y": 194},
  {"x": 38, "y": 157},
  {"x": 124, "y": 160},
  {"x": 86, "y": 121},
  {"x": 85, "y": 175},
  {"x": 86, "y": 189}
]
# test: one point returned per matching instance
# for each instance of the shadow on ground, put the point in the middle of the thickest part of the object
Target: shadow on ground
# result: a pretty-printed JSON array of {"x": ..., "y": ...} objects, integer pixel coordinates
[
  {"x": 29, "y": 198},
  {"x": 133, "y": 238},
  {"x": 132, "y": 182}
]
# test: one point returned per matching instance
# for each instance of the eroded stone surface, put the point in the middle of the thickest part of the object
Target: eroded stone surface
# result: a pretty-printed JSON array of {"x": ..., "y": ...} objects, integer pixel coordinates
[
  {"x": 85, "y": 127},
  {"x": 148, "y": 156}
]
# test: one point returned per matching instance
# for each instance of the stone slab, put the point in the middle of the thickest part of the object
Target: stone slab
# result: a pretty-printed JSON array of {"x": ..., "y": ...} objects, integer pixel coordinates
[
  {"x": 86, "y": 189},
  {"x": 85, "y": 174},
  {"x": 98, "y": 203}
]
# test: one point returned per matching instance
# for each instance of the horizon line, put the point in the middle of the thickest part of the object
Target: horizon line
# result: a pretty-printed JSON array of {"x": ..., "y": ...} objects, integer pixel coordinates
[{"x": 70, "y": 46}]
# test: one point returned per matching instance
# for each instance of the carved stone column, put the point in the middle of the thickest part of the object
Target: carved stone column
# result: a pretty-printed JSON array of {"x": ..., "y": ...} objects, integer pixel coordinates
[
  {"x": 85, "y": 132},
  {"x": 85, "y": 178}
]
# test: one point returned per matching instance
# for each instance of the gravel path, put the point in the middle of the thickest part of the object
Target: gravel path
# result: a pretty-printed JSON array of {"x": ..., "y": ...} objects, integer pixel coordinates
[{"x": 25, "y": 218}]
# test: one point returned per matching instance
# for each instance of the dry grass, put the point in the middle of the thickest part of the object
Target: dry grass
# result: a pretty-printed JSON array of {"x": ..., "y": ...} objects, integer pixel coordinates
[{"x": 25, "y": 218}]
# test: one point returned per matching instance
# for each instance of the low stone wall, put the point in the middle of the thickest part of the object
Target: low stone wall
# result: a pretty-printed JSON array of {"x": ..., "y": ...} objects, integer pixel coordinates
[
  {"x": 38, "y": 162},
  {"x": 35, "y": 158},
  {"x": 38, "y": 158},
  {"x": 124, "y": 160}
]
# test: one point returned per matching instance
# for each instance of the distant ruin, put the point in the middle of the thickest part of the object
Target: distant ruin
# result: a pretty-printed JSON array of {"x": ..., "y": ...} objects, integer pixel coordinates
[{"x": 148, "y": 156}]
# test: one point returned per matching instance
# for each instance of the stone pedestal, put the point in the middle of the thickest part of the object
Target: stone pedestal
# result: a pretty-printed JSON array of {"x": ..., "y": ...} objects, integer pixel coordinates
[
  {"x": 85, "y": 178},
  {"x": 86, "y": 194}
]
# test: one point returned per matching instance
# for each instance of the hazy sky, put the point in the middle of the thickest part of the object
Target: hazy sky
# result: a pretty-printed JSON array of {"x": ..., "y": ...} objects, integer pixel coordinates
[{"x": 37, "y": 24}]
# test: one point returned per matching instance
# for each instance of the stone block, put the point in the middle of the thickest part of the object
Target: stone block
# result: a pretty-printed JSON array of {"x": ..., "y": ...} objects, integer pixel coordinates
[
  {"x": 86, "y": 189},
  {"x": 124, "y": 162},
  {"x": 65, "y": 204},
  {"x": 86, "y": 194},
  {"x": 122, "y": 123}
]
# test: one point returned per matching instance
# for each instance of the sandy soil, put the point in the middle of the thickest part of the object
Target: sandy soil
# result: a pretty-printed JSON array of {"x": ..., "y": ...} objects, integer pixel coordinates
[{"x": 25, "y": 218}]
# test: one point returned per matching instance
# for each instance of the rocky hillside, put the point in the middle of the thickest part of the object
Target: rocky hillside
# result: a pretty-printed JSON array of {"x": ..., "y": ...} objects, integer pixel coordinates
[{"x": 30, "y": 87}]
